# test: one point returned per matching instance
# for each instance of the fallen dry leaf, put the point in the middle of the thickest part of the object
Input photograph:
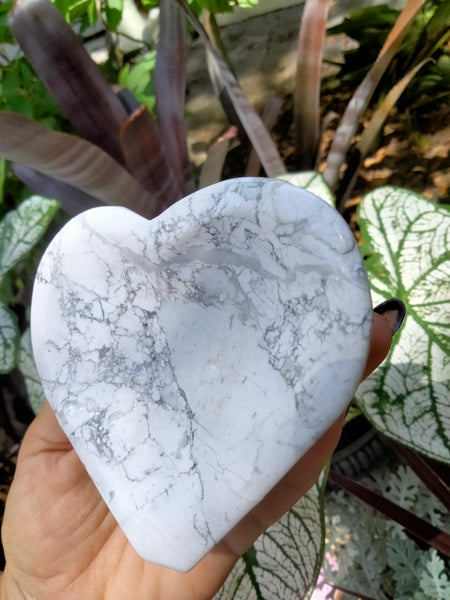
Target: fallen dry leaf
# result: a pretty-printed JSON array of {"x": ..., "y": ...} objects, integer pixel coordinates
[
  {"x": 441, "y": 180},
  {"x": 438, "y": 144},
  {"x": 373, "y": 174},
  {"x": 394, "y": 148}
]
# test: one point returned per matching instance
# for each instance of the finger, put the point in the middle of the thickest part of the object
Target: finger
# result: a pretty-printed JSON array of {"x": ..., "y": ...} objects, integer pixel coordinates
[
  {"x": 379, "y": 345},
  {"x": 45, "y": 434},
  {"x": 388, "y": 317}
]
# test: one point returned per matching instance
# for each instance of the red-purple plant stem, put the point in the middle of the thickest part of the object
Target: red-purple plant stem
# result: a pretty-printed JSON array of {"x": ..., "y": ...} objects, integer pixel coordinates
[
  {"x": 67, "y": 70},
  {"x": 146, "y": 159},
  {"x": 170, "y": 89},
  {"x": 361, "y": 97},
  {"x": 339, "y": 588},
  {"x": 419, "y": 528},
  {"x": 424, "y": 469},
  {"x": 311, "y": 41},
  {"x": 254, "y": 127}
]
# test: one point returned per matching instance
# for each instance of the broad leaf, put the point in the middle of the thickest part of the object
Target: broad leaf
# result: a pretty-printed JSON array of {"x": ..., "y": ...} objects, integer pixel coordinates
[
  {"x": 72, "y": 160},
  {"x": 407, "y": 241},
  {"x": 269, "y": 117},
  {"x": 26, "y": 364},
  {"x": 311, "y": 42},
  {"x": 284, "y": 562},
  {"x": 311, "y": 181},
  {"x": 9, "y": 338},
  {"x": 20, "y": 229},
  {"x": 73, "y": 201},
  {"x": 146, "y": 159},
  {"x": 170, "y": 88},
  {"x": 67, "y": 70}
]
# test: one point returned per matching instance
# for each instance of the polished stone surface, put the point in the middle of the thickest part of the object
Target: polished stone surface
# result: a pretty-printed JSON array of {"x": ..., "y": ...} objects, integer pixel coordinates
[{"x": 193, "y": 359}]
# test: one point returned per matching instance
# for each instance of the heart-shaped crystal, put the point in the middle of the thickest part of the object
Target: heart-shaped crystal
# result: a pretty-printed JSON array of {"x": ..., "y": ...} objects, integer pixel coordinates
[{"x": 194, "y": 358}]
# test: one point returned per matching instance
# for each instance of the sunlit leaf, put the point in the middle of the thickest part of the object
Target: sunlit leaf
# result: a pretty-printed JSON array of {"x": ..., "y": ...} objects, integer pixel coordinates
[
  {"x": 311, "y": 181},
  {"x": 211, "y": 171},
  {"x": 284, "y": 562},
  {"x": 113, "y": 12},
  {"x": 407, "y": 241},
  {"x": 311, "y": 42},
  {"x": 20, "y": 229},
  {"x": 74, "y": 161},
  {"x": 9, "y": 338}
]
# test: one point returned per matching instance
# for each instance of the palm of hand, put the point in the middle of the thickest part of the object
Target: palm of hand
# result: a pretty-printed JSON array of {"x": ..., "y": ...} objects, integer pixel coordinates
[{"x": 62, "y": 543}]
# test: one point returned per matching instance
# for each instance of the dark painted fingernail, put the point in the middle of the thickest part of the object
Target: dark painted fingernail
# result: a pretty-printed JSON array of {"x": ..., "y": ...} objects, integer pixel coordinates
[{"x": 393, "y": 311}]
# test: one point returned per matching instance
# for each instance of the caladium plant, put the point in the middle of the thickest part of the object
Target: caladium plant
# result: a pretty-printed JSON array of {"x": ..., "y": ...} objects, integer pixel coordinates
[
  {"x": 20, "y": 230},
  {"x": 407, "y": 241}
]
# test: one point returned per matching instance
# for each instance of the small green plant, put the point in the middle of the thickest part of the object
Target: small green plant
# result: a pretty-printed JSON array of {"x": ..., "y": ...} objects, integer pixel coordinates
[
  {"x": 371, "y": 556},
  {"x": 20, "y": 230}
]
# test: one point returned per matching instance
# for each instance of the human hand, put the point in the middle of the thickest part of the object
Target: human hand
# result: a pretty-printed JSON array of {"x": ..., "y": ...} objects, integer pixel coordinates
[{"x": 62, "y": 543}]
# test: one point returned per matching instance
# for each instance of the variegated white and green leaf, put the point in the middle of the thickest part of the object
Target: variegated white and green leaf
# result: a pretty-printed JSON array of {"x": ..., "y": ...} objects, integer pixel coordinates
[
  {"x": 407, "y": 242},
  {"x": 285, "y": 561},
  {"x": 25, "y": 362},
  {"x": 311, "y": 181},
  {"x": 20, "y": 229},
  {"x": 9, "y": 338}
]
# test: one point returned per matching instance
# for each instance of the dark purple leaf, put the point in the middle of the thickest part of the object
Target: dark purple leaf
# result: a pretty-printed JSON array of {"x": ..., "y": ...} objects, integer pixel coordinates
[
  {"x": 146, "y": 159},
  {"x": 170, "y": 88},
  {"x": 69, "y": 73},
  {"x": 72, "y": 160},
  {"x": 307, "y": 82},
  {"x": 73, "y": 201}
]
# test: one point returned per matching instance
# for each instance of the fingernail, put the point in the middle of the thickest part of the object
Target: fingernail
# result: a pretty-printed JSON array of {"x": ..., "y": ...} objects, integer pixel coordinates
[{"x": 393, "y": 311}]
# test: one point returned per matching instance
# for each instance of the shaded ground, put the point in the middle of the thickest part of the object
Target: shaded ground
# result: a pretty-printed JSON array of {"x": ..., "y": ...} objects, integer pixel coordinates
[{"x": 413, "y": 150}]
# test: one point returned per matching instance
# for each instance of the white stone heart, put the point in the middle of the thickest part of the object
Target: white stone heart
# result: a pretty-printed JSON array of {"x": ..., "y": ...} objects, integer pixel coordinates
[{"x": 193, "y": 359}]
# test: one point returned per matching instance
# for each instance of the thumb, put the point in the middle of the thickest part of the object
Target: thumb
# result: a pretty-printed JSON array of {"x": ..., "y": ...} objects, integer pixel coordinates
[{"x": 44, "y": 434}]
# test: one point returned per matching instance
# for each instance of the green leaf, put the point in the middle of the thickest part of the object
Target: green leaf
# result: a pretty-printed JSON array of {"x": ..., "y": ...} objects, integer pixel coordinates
[
  {"x": 25, "y": 362},
  {"x": 20, "y": 229},
  {"x": 138, "y": 79},
  {"x": 113, "y": 12},
  {"x": 9, "y": 338},
  {"x": 435, "y": 582},
  {"x": 407, "y": 241},
  {"x": 311, "y": 181},
  {"x": 284, "y": 562}
]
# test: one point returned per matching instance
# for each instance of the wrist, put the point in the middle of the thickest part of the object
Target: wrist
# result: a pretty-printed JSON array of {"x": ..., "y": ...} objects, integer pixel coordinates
[{"x": 10, "y": 589}]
